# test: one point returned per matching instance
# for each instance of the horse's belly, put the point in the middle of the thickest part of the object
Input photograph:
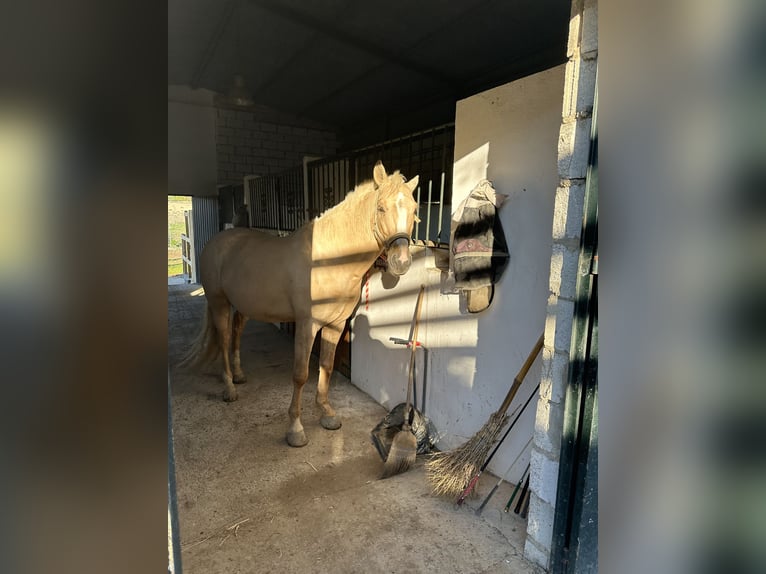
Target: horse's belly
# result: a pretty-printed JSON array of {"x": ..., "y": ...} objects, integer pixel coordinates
[{"x": 263, "y": 304}]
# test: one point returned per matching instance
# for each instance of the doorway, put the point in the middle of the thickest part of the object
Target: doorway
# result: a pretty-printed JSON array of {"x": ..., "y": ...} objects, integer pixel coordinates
[{"x": 179, "y": 208}]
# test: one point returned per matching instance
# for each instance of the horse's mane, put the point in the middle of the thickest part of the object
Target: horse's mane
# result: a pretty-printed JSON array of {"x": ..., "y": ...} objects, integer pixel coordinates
[{"x": 359, "y": 194}]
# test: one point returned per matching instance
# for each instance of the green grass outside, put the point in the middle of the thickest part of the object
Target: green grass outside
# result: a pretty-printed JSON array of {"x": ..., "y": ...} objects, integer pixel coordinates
[
  {"x": 177, "y": 204},
  {"x": 175, "y": 268},
  {"x": 175, "y": 230}
]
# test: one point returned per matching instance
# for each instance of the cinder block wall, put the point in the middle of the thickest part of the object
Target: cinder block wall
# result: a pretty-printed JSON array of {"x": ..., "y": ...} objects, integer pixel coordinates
[
  {"x": 573, "y": 149},
  {"x": 262, "y": 141}
]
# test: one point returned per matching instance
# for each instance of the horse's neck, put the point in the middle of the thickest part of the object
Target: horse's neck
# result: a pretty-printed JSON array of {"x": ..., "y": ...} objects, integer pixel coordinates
[{"x": 346, "y": 231}]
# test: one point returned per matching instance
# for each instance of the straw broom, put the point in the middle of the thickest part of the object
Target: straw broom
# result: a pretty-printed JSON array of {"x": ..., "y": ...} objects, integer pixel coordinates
[{"x": 450, "y": 472}]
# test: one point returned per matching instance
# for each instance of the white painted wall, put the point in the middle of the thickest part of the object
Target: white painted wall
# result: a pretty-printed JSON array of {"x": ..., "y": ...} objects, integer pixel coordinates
[
  {"x": 192, "y": 164},
  {"x": 378, "y": 366},
  {"x": 509, "y": 135}
]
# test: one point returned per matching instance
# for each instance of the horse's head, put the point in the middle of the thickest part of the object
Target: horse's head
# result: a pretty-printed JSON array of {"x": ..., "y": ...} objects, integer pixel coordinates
[{"x": 396, "y": 214}]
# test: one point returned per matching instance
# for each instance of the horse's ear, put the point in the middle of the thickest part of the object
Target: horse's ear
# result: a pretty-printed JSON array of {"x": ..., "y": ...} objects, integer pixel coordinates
[
  {"x": 379, "y": 173},
  {"x": 413, "y": 183}
]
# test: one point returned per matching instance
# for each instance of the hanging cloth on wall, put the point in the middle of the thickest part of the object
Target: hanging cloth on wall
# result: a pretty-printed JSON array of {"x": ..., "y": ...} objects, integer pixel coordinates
[{"x": 479, "y": 250}]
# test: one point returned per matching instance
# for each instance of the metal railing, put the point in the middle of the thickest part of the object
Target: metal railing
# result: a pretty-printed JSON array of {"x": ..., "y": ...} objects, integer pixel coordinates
[
  {"x": 276, "y": 202},
  {"x": 186, "y": 256},
  {"x": 204, "y": 226},
  {"x": 283, "y": 202},
  {"x": 428, "y": 154}
]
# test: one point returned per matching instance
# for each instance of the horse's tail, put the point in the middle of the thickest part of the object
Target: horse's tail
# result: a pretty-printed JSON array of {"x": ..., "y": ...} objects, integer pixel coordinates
[{"x": 205, "y": 347}]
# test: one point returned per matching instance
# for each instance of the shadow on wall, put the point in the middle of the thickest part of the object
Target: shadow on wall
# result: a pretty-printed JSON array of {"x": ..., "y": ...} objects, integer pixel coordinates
[
  {"x": 380, "y": 366},
  {"x": 397, "y": 356}
]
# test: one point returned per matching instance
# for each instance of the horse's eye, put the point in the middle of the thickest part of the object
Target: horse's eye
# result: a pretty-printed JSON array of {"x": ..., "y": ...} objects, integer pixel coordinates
[{"x": 381, "y": 209}]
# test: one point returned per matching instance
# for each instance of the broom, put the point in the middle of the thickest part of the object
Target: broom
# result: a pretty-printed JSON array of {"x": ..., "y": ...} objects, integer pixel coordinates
[
  {"x": 475, "y": 479},
  {"x": 404, "y": 447},
  {"x": 450, "y": 472}
]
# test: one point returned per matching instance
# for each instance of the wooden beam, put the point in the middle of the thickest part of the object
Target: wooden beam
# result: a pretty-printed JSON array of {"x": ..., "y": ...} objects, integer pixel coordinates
[{"x": 212, "y": 44}]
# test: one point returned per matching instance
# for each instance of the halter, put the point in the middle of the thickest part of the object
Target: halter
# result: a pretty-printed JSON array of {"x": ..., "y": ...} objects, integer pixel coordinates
[
  {"x": 376, "y": 232},
  {"x": 390, "y": 240},
  {"x": 386, "y": 243}
]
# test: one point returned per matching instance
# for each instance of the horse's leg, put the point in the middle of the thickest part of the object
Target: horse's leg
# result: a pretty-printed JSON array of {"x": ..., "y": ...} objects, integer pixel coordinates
[
  {"x": 236, "y": 335},
  {"x": 222, "y": 320},
  {"x": 330, "y": 337},
  {"x": 305, "y": 331}
]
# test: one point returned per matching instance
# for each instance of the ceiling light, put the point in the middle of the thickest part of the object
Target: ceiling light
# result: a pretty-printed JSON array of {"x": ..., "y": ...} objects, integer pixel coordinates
[{"x": 238, "y": 94}]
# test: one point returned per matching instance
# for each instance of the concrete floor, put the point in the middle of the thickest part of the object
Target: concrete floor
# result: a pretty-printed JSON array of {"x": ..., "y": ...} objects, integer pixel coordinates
[{"x": 250, "y": 503}]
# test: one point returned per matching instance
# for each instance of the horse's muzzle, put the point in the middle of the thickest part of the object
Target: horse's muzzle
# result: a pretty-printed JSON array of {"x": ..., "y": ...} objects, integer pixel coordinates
[{"x": 398, "y": 256}]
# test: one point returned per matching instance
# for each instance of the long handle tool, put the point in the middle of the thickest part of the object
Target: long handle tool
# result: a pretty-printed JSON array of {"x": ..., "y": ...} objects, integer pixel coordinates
[
  {"x": 523, "y": 494},
  {"x": 494, "y": 488},
  {"x": 404, "y": 448},
  {"x": 516, "y": 490}
]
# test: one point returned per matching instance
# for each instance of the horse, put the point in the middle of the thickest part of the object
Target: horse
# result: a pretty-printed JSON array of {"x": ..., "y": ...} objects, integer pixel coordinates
[{"x": 312, "y": 277}]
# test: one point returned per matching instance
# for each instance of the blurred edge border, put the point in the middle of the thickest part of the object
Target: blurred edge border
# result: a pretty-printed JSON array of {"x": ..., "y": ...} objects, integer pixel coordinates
[
  {"x": 83, "y": 354},
  {"x": 83, "y": 296}
]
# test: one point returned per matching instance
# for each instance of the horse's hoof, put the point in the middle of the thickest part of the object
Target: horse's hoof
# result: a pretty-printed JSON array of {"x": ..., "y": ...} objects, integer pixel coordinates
[
  {"x": 330, "y": 423},
  {"x": 297, "y": 439},
  {"x": 230, "y": 396},
  {"x": 238, "y": 380}
]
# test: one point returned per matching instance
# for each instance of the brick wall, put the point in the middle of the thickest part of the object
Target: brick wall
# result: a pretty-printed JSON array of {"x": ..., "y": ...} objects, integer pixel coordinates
[
  {"x": 573, "y": 149},
  {"x": 262, "y": 141}
]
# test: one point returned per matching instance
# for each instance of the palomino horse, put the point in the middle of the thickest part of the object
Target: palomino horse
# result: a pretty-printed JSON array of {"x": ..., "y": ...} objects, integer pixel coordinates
[{"x": 312, "y": 277}]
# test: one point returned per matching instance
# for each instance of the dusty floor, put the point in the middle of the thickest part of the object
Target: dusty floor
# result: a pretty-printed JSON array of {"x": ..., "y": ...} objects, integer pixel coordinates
[{"x": 250, "y": 503}]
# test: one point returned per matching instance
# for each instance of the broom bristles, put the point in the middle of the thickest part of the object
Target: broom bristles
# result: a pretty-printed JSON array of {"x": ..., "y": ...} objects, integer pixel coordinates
[
  {"x": 402, "y": 455},
  {"x": 450, "y": 472}
]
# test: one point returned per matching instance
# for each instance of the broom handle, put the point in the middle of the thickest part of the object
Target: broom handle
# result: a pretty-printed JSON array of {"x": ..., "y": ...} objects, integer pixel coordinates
[
  {"x": 414, "y": 346},
  {"x": 520, "y": 377},
  {"x": 525, "y": 506},
  {"x": 523, "y": 494},
  {"x": 508, "y": 430},
  {"x": 499, "y": 482},
  {"x": 516, "y": 490}
]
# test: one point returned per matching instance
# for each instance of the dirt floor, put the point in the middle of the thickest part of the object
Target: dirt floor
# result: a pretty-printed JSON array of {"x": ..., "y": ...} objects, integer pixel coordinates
[{"x": 250, "y": 503}]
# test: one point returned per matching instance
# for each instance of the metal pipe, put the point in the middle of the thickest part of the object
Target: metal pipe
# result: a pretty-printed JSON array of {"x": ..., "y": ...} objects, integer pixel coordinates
[
  {"x": 417, "y": 223},
  {"x": 441, "y": 209},
  {"x": 428, "y": 217},
  {"x": 426, "y": 356}
]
